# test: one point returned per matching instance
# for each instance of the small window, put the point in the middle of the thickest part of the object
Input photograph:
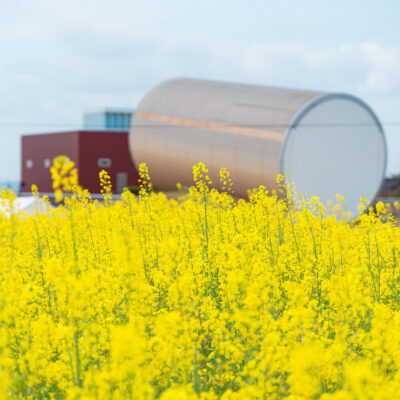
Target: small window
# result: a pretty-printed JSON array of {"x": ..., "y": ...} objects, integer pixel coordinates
[
  {"x": 47, "y": 163},
  {"x": 104, "y": 162},
  {"x": 29, "y": 163}
]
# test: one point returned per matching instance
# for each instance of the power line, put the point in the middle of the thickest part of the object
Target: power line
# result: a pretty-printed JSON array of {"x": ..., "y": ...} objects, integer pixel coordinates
[{"x": 172, "y": 126}]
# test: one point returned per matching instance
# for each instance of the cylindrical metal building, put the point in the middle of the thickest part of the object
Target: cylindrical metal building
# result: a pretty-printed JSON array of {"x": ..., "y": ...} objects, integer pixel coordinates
[{"x": 328, "y": 143}]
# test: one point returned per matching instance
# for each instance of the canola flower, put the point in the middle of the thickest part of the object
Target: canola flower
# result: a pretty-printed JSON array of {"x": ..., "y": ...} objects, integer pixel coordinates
[
  {"x": 64, "y": 176},
  {"x": 201, "y": 298}
]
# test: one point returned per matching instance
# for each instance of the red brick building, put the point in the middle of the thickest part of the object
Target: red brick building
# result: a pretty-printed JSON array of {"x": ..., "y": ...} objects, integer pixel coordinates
[{"x": 91, "y": 151}]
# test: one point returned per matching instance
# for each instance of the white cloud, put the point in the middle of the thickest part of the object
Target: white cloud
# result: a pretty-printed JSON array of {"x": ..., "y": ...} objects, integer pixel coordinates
[
  {"x": 384, "y": 62},
  {"x": 60, "y": 58},
  {"x": 364, "y": 67}
]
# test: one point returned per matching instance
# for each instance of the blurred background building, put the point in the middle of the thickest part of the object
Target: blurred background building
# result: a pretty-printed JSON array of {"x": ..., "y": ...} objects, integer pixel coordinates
[
  {"x": 102, "y": 144},
  {"x": 108, "y": 119}
]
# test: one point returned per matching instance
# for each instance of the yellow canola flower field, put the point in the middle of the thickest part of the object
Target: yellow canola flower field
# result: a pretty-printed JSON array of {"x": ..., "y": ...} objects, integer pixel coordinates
[{"x": 202, "y": 298}]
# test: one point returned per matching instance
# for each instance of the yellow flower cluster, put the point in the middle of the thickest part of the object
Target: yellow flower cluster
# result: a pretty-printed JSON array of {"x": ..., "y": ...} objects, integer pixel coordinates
[
  {"x": 202, "y": 298},
  {"x": 64, "y": 176},
  {"x": 144, "y": 180},
  {"x": 226, "y": 181},
  {"x": 105, "y": 185}
]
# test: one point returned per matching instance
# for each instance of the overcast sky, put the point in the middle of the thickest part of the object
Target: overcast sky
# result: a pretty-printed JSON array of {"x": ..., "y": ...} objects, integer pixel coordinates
[{"x": 59, "y": 58}]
